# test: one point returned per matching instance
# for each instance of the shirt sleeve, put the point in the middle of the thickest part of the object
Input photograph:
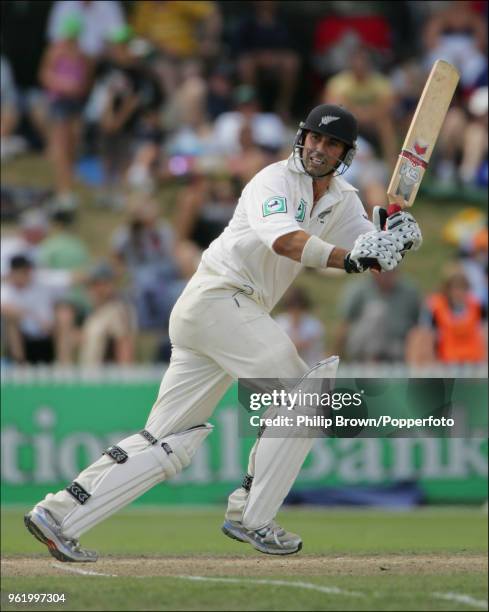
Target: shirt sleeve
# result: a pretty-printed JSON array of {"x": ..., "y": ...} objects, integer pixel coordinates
[
  {"x": 270, "y": 208},
  {"x": 352, "y": 223}
]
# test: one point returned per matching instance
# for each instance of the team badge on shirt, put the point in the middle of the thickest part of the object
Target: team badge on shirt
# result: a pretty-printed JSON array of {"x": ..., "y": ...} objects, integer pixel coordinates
[
  {"x": 276, "y": 204},
  {"x": 301, "y": 211}
]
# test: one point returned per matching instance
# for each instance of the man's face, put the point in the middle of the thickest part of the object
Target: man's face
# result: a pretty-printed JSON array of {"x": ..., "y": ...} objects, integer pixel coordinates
[
  {"x": 321, "y": 153},
  {"x": 457, "y": 290},
  {"x": 21, "y": 277},
  {"x": 101, "y": 291}
]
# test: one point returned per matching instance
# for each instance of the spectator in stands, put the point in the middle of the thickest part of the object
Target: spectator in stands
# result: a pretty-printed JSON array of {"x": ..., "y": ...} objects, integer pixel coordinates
[
  {"x": 145, "y": 248},
  {"x": 457, "y": 34},
  {"x": 98, "y": 18},
  {"x": 461, "y": 154},
  {"x": 268, "y": 130},
  {"x": 474, "y": 263},
  {"x": 265, "y": 49},
  {"x": 203, "y": 210},
  {"x": 304, "y": 329},
  {"x": 219, "y": 93},
  {"x": 377, "y": 314},
  {"x": 130, "y": 131},
  {"x": 369, "y": 175},
  {"x": 473, "y": 167},
  {"x": 189, "y": 97},
  {"x": 186, "y": 114},
  {"x": 33, "y": 228},
  {"x": 342, "y": 30},
  {"x": 9, "y": 119},
  {"x": 64, "y": 250},
  {"x": 179, "y": 31},
  {"x": 28, "y": 308},
  {"x": 66, "y": 74},
  {"x": 251, "y": 158},
  {"x": 23, "y": 41},
  {"x": 408, "y": 80},
  {"x": 370, "y": 97},
  {"x": 109, "y": 331},
  {"x": 452, "y": 326}
]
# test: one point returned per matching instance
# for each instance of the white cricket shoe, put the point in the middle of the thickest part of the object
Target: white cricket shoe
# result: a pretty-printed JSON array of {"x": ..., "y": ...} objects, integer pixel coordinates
[
  {"x": 43, "y": 526},
  {"x": 271, "y": 539}
]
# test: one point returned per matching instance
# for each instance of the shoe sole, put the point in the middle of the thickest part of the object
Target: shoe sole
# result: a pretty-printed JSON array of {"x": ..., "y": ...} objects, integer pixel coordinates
[
  {"x": 38, "y": 534},
  {"x": 231, "y": 535},
  {"x": 52, "y": 544},
  {"x": 228, "y": 530}
]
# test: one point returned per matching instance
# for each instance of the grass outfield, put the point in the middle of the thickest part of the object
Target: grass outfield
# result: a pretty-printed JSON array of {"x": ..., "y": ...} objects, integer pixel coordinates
[{"x": 428, "y": 559}]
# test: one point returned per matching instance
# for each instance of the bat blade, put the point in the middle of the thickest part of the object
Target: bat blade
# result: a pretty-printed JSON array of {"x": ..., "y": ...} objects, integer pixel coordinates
[{"x": 422, "y": 134}]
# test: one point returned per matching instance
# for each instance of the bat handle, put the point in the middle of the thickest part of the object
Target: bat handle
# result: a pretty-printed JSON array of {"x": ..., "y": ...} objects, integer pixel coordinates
[{"x": 392, "y": 209}]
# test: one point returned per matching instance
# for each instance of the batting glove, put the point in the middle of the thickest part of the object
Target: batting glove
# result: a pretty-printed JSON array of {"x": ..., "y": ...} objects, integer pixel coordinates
[
  {"x": 402, "y": 224},
  {"x": 374, "y": 249}
]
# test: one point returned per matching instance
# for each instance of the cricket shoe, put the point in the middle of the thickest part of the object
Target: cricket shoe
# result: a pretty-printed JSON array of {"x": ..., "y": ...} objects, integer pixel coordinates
[
  {"x": 42, "y": 525},
  {"x": 271, "y": 539}
]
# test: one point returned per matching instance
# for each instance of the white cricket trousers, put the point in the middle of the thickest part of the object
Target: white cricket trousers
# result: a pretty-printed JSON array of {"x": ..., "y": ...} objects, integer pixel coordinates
[{"x": 219, "y": 334}]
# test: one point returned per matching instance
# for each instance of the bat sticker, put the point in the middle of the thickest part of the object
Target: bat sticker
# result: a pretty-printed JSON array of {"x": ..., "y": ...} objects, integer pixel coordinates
[{"x": 409, "y": 177}]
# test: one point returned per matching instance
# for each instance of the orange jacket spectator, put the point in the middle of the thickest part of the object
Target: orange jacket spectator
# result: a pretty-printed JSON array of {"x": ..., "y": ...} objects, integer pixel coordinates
[
  {"x": 452, "y": 327},
  {"x": 460, "y": 338}
]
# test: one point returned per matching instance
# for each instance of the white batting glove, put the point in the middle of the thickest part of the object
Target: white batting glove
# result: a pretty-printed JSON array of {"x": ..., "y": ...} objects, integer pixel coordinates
[
  {"x": 374, "y": 249},
  {"x": 402, "y": 224}
]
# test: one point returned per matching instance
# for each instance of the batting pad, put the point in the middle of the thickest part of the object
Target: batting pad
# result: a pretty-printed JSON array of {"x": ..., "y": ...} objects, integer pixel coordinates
[
  {"x": 121, "y": 483},
  {"x": 277, "y": 463}
]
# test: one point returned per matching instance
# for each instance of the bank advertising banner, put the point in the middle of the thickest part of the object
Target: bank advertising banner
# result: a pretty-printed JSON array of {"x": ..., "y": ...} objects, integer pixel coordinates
[{"x": 50, "y": 431}]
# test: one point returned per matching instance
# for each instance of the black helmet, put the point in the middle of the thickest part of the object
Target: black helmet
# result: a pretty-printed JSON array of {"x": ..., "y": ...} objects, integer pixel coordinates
[{"x": 330, "y": 120}]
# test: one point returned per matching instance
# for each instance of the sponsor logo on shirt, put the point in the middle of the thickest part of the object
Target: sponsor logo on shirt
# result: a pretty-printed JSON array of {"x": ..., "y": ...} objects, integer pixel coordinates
[
  {"x": 323, "y": 214},
  {"x": 300, "y": 215},
  {"x": 275, "y": 204}
]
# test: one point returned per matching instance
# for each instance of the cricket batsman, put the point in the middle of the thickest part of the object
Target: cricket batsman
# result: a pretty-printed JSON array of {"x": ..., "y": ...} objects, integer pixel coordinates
[{"x": 295, "y": 213}]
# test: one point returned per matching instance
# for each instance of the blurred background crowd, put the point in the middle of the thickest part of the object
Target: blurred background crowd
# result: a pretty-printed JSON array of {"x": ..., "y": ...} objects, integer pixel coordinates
[{"x": 128, "y": 130}]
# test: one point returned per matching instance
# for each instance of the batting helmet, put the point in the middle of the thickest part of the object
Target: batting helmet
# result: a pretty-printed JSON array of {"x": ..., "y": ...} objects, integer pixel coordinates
[{"x": 330, "y": 120}]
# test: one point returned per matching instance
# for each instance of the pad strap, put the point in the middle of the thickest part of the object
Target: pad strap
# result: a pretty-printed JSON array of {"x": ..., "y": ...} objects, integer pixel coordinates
[
  {"x": 149, "y": 437},
  {"x": 116, "y": 453},
  {"x": 247, "y": 482},
  {"x": 78, "y": 492}
]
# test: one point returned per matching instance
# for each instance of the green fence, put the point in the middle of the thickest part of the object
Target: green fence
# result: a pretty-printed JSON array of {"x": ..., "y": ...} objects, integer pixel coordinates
[{"x": 51, "y": 430}]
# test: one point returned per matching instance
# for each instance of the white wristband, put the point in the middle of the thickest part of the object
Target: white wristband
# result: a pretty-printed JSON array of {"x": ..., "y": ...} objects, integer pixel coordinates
[{"x": 316, "y": 253}]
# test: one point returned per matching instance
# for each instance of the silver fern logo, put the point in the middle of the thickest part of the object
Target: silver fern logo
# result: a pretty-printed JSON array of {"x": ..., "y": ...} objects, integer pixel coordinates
[{"x": 327, "y": 119}]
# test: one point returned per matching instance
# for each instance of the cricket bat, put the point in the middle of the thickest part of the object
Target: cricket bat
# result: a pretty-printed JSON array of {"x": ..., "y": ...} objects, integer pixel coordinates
[{"x": 422, "y": 135}]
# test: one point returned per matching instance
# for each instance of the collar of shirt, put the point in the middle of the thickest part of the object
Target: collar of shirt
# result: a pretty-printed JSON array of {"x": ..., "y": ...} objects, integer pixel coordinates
[{"x": 335, "y": 194}]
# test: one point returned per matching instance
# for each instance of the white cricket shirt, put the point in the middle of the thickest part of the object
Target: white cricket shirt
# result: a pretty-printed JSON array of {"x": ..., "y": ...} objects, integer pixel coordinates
[{"x": 277, "y": 201}]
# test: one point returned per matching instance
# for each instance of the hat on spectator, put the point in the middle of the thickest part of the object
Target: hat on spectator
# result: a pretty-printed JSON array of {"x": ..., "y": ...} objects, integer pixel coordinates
[
  {"x": 20, "y": 262},
  {"x": 70, "y": 27},
  {"x": 101, "y": 271},
  {"x": 121, "y": 34}
]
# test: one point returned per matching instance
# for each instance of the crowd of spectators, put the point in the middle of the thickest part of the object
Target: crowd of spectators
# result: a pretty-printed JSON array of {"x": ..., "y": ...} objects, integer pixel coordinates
[{"x": 193, "y": 98}]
